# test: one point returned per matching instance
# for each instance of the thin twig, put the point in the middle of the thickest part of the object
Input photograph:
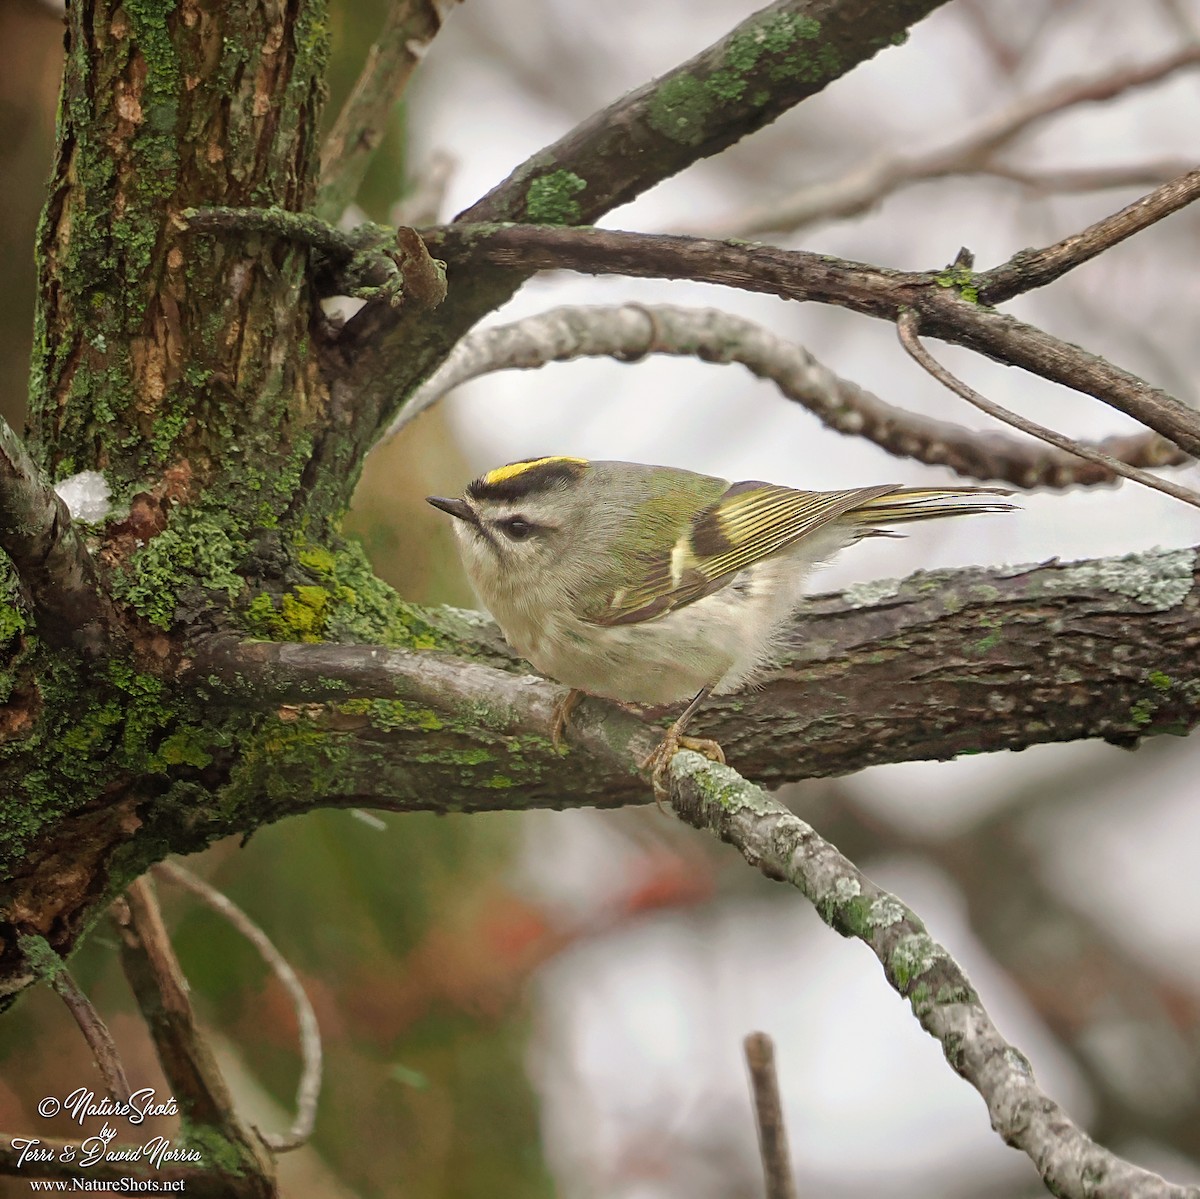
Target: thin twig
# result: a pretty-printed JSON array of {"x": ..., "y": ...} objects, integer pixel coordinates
[
  {"x": 95, "y": 1032},
  {"x": 973, "y": 152},
  {"x": 768, "y": 1113},
  {"x": 630, "y": 332},
  {"x": 785, "y": 848},
  {"x": 1035, "y": 268},
  {"x": 308, "y": 1090},
  {"x": 908, "y": 327},
  {"x": 1090, "y": 179},
  {"x": 49, "y": 966},
  {"x": 410, "y": 27}
]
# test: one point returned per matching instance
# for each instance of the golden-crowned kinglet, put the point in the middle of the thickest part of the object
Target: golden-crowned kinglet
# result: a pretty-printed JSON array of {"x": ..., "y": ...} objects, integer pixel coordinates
[{"x": 654, "y": 584}]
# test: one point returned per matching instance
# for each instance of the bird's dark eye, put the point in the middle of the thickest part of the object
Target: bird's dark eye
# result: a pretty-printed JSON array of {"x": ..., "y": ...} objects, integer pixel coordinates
[{"x": 517, "y": 528}]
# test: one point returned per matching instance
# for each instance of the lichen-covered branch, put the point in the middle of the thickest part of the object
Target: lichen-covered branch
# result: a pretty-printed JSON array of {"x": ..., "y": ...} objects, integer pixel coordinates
[
  {"x": 773, "y": 60},
  {"x": 921, "y": 970},
  {"x": 926, "y": 667},
  {"x": 630, "y": 332},
  {"x": 1078, "y": 975}
]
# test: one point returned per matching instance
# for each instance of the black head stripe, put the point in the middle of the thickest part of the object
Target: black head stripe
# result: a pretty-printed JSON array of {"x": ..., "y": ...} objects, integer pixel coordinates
[{"x": 520, "y": 479}]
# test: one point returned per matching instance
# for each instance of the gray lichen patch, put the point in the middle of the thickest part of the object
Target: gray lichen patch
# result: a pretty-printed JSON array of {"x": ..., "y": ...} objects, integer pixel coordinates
[
  {"x": 863, "y": 595},
  {"x": 1157, "y": 578}
]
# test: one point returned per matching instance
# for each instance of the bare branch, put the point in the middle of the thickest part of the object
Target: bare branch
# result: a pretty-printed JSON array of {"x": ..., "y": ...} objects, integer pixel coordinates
[
  {"x": 309, "y": 1089},
  {"x": 1090, "y": 179},
  {"x": 768, "y": 1113},
  {"x": 409, "y": 28},
  {"x": 187, "y": 1061},
  {"x": 1029, "y": 269},
  {"x": 632, "y": 331},
  {"x": 50, "y": 557},
  {"x": 973, "y": 152},
  {"x": 798, "y": 275},
  {"x": 784, "y": 848},
  {"x": 909, "y": 326},
  {"x": 104, "y": 1049}
]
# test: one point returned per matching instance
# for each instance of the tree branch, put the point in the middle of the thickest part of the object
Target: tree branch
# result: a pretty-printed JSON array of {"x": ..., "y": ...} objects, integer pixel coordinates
[
  {"x": 784, "y": 848},
  {"x": 1080, "y": 978},
  {"x": 973, "y": 152},
  {"x": 632, "y": 331},
  {"x": 897, "y": 670},
  {"x": 772, "y": 61},
  {"x": 1030, "y": 269},
  {"x": 409, "y": 28},
  {"x": 859, "y": 287},
  {"x": 162, "y": 993},
  {"x": 51, "y": 559}
]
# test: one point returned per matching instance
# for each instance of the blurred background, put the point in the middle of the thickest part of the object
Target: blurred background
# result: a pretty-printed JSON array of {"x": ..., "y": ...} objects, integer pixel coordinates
[{"x": 554, "y": 1003}]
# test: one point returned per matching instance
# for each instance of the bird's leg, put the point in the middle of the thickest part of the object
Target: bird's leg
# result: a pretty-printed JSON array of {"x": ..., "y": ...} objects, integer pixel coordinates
[
  {"x": 659, "y": 762},
  {"x": 562, "y": 715}
]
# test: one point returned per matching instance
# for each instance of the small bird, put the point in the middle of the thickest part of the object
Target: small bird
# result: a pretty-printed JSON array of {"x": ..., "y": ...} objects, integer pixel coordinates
[{"x": 658, "y": 585}]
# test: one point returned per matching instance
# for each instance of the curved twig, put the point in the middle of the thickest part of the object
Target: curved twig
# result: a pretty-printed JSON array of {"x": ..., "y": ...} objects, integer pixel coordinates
[
  {"x": 908, "y": 327},
  {"x": 309, "y": 1088},
  {"x": 630, "y": 332}
]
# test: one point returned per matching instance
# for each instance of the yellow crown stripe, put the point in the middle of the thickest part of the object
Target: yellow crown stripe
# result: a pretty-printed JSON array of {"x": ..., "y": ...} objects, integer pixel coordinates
[{"x": 503, "y": 473}]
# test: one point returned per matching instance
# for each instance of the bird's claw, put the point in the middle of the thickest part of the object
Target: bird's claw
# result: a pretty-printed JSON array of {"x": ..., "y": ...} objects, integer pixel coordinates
[
  {"x": 561, "y": 720},
  {"x": 659, "y": 762}
]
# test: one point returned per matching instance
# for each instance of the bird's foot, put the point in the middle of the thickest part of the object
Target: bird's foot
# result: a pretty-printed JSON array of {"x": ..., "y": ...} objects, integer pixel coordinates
[
  {"x": 562, "y": 715},
  {"x": 659, "y": 762}
]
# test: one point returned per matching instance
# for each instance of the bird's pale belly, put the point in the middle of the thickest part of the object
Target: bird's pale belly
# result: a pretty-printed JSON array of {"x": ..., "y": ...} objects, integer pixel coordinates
[{"x": 664, "y": 661}]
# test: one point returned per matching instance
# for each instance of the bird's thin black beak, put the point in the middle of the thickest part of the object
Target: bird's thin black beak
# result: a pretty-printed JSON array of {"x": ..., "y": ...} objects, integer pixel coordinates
[{"x": 459, "y": 509}]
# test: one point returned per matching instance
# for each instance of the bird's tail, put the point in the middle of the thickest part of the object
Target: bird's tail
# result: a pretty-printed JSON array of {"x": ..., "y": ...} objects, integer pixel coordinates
[{"x": 927, "y": 503}]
